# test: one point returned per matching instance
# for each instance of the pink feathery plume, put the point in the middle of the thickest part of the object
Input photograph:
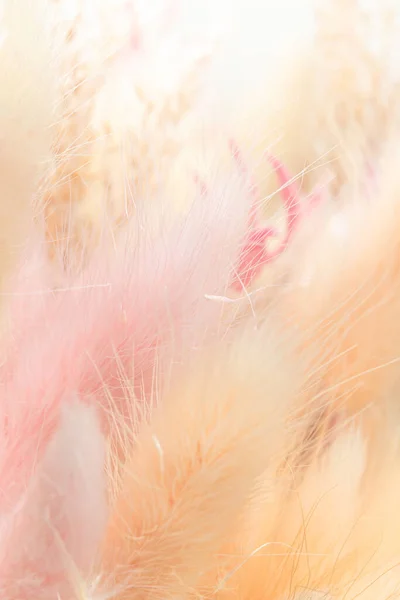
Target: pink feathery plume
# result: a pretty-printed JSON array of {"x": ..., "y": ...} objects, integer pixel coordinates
[{"x": 112, "y": 323}]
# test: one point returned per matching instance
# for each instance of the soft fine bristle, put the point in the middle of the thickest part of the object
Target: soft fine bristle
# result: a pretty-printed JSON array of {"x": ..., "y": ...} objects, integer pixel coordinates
[{"x": 194, "y": 467}]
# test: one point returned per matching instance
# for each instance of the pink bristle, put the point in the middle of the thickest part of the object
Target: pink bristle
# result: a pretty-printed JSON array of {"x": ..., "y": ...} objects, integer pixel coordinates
[
  {"x": 253, "y": 257},
  {"x": 290, "y": 194},
  {"x": 254, "y": 209},
  {"x": 255, "y": 253}
]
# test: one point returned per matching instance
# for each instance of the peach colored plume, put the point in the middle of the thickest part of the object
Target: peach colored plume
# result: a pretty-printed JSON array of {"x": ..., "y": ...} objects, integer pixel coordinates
[
  {"x": 343, "y": 293},
  {"x": 194, "y": 467}
]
